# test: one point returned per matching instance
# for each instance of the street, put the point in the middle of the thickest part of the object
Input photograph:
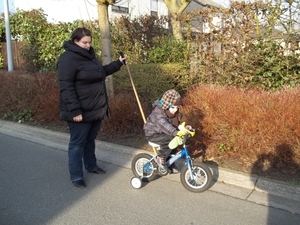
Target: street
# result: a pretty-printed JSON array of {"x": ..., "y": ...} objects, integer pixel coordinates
[{"x": 35, "y": 189}]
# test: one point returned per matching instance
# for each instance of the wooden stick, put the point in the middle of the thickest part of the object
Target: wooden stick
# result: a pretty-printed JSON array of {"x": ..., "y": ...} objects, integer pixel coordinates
[{"x": 137, "y": 98}]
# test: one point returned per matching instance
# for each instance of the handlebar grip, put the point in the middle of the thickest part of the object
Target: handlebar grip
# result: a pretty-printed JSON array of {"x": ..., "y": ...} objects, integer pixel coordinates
[{"x": 192, "y": 133}]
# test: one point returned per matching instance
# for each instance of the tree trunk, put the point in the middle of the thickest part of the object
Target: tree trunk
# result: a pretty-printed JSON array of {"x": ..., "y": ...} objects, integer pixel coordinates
[
  {"x": 176, "y": 28},
  {"x": 105, "y": 43},
  {"x": 176, "y": 8}
]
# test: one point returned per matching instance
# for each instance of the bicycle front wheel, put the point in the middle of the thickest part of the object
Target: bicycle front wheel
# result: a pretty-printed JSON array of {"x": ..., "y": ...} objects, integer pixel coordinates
[{"x": 200, "y": 180}]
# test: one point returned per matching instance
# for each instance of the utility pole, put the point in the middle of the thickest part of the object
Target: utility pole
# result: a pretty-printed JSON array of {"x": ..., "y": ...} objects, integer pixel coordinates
[{"x": 8, "y": 38}]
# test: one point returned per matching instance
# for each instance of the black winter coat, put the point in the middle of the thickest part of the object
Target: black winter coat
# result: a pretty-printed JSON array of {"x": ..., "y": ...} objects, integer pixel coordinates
[{"x": 82, "y": 83}]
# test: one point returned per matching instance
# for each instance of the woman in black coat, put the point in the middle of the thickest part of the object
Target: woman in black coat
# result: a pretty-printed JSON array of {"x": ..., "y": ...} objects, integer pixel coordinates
[{"x": 83, "y": 100}]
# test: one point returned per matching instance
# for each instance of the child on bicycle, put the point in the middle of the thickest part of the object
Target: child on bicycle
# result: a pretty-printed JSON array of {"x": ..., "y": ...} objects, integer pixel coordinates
[{"x": 164, "y": 123}]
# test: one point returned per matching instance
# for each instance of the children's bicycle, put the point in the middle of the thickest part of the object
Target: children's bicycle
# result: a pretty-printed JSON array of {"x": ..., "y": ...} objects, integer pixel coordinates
[{"x": 194, "y": 176}]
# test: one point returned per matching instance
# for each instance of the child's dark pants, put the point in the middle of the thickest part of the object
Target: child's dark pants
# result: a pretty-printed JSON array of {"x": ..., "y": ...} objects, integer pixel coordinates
[{"x": 163, "y": 140}]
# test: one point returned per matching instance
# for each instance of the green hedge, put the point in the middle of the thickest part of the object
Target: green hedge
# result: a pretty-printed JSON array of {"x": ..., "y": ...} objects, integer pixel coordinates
[{"x": 151, "y": 80}]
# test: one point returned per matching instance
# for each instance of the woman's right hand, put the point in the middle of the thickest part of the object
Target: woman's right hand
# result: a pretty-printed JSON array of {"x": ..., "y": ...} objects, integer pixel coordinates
[
  {"x": 122, "y": 59},
  {"x": 78, "y": 118}
]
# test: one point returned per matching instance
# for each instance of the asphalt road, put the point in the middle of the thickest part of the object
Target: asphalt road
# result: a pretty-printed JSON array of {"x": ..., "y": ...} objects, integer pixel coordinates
[{"x": 35, "y": 189}]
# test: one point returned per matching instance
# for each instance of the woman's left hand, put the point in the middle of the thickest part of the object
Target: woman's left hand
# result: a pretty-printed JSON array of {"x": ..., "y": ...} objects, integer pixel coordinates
[{"x": 78, "y": 118}]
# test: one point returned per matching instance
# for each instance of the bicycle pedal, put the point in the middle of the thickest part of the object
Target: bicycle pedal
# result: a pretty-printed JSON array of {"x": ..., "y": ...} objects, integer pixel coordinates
[{"x": 163, "y": 171}]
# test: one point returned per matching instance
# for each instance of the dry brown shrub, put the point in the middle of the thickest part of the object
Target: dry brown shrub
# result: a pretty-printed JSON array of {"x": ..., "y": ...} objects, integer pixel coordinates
[
  {"x": 126, "y": 119},
  {"x": 47, "y": 105},
  {"x": 247, "y": 125},
  {"x": 37, "y": 92},
  {"x": 17, "y": 91}
]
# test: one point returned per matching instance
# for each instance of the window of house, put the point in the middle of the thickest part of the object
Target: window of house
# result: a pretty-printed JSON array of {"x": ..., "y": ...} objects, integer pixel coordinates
[
  {"x": 120, "y": 7},
  {"x": 153, "y": 7}
]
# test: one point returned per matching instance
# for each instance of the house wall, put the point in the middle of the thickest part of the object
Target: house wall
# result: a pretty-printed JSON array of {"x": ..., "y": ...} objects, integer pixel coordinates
[
  {"x": 198, "y": 25},
  {"x": 140, "y": 7},
  {"x": 70, "y": 10}
]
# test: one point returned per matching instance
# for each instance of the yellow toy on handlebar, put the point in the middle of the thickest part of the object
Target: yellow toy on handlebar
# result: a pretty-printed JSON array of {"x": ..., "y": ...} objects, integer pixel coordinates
[{"x": 183, "y": 130}]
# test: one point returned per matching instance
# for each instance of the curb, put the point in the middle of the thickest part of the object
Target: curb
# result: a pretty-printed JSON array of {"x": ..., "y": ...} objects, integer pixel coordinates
[{"x": 233, "y": 183}]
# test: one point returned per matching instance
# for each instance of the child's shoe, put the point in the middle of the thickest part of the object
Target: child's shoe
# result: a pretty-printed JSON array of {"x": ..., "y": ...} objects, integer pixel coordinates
[
  {"x": 161, "y": 161},
  {"x": 174, "y": 170}
]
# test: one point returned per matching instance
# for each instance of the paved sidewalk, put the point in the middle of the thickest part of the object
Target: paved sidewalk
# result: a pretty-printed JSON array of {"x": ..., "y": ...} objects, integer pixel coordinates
[{"x": 252, "y": 188}]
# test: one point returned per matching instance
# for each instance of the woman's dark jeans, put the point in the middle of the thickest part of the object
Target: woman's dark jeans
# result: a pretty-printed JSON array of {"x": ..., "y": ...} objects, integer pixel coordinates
[{"x": 82, "y": 146}]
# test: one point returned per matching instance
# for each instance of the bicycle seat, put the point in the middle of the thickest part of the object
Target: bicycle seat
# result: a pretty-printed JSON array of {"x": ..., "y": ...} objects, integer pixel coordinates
[{"x": 153, "y": 144}]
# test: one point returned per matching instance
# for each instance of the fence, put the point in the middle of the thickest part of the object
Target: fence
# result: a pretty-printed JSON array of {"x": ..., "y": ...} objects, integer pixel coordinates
[{"x": 18, "y": 61}]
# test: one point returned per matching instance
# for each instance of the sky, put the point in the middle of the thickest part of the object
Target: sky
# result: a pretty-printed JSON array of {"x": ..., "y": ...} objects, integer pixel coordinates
[{"x": 2, "y": 5}]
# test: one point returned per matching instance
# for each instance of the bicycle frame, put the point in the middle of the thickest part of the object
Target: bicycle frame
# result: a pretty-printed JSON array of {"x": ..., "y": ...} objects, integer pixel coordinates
[{"x": 183, "y": 153}]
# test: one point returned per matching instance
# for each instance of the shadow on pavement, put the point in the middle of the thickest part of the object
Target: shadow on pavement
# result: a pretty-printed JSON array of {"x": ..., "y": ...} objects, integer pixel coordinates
[
  {"x": 35, "y": 187},
  {"x": 281, "y": 163}
]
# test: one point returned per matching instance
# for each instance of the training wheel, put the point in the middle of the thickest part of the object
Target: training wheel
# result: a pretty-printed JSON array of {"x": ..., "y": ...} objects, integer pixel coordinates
[{"x": 136, "y": 182}]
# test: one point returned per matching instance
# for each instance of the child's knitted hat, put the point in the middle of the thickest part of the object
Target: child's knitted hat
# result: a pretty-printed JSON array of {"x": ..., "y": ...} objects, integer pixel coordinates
[{"x": 171, "y": 97}]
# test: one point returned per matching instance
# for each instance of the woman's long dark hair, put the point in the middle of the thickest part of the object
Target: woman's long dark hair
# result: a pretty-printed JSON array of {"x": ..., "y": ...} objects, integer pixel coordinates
[{"x": 79, "y": 33}]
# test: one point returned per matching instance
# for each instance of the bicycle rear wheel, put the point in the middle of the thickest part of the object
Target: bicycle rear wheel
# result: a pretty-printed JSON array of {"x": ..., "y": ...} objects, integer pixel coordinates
[
  {"x": 143, "y": 168},
  {"x": 202, "y": 177}
]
